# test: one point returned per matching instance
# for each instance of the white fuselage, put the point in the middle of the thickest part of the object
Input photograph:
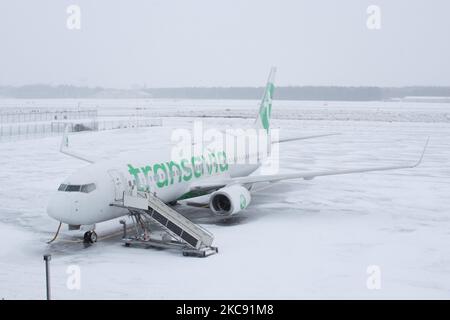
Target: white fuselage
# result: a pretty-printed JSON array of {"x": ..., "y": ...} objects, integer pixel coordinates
[{"x": 84, "y": 198}]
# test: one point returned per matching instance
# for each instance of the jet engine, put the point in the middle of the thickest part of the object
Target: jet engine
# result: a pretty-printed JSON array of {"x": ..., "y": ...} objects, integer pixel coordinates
[{"x": 229, "y": 200}]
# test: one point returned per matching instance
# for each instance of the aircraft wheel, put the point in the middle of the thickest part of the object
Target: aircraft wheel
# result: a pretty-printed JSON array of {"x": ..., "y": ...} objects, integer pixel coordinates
[
  {"x": 90, "y": 237},
  {"x": 93, "y": 236}
]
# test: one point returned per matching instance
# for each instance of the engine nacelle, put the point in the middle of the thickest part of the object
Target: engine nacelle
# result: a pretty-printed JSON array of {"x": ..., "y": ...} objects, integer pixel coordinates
[{"x": 229, "y": 200}]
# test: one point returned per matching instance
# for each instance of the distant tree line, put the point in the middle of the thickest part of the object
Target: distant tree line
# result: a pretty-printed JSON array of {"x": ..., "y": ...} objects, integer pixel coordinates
[
  {"x": 281, "y": 93},
  {"x": 302, "y": 93},
  {"x": 45, "y": 91}
]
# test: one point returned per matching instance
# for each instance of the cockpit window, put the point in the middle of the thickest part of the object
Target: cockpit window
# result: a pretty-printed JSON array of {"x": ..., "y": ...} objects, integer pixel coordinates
[
  {"x": 73, "y": 188},
  {"x": 88, "y": 188},
  {"x": 85, "y": 188}
]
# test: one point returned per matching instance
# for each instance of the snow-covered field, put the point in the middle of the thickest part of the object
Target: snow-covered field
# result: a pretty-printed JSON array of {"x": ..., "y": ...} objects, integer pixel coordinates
[{"x": 298, "y": 239}]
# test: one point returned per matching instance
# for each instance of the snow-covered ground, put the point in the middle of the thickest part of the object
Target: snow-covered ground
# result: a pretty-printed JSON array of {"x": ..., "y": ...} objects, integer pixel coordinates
[{"x": 297, "y": 239}]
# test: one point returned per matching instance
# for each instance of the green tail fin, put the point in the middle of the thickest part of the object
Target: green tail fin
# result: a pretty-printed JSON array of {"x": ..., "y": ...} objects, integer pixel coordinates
[{"x": 265, "y": 109}]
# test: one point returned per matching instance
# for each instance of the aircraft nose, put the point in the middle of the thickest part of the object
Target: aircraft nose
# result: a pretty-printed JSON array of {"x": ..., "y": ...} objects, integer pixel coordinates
[{"x": 56, "y": 207}]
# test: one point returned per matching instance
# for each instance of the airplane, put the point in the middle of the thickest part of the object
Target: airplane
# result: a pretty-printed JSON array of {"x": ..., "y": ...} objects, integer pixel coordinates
[{"x": 85, "y": 197}]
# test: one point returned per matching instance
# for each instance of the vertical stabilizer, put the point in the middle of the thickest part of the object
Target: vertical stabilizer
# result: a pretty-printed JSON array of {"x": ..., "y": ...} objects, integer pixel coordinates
[{"x": 265, "y": 109}]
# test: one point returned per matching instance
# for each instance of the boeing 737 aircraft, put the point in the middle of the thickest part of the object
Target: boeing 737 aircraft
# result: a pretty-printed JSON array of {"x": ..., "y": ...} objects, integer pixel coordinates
[{"x": 86, "y": 196}]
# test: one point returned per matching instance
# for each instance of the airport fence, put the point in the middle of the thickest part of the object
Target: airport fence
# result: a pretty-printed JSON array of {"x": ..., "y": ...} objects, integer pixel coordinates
[
  {"x": 132, "y": 123},
  {"x": 46, "y": 116},
  {"x": 45, "y": 129}
]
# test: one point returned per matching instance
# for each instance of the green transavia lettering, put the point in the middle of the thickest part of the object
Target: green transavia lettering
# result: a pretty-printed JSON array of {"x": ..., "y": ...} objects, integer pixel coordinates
[{"x": 165, "y": 174}]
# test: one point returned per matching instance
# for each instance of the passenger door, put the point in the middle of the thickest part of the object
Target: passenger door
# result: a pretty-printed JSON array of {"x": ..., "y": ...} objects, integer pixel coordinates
[{"x": 119, "y": 183}]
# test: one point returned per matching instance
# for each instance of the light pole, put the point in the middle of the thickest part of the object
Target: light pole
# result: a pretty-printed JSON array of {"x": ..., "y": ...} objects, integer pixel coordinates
[{"x": 47, "y": 258}]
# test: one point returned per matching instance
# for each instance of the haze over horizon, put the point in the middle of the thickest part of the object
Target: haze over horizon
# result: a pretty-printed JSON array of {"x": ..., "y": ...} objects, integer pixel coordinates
[{"x": 224, "y": 43}]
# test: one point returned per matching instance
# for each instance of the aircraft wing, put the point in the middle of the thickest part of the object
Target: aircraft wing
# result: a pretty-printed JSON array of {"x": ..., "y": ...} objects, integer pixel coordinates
[
  {"x": 217, "y": 184},
  {"x": 291, "y": 138},
  {"x": 305, "y": 138},
  {"x": 64, "y": 148}
]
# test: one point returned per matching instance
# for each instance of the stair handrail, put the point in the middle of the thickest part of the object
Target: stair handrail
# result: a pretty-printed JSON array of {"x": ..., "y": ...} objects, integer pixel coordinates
[{"x": 148, "y": 195}]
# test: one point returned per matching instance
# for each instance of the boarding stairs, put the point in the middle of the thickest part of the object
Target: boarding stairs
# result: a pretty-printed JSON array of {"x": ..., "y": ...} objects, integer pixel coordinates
[{"x": 195, "y": 240}]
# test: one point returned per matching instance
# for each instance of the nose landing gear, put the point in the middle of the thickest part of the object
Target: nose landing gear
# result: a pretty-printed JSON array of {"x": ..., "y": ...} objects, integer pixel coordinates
[{"x": 90, "y": 237}]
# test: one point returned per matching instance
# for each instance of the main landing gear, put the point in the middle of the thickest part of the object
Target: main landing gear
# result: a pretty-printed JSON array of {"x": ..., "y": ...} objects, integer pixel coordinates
[{"x": 90, "y": 237}]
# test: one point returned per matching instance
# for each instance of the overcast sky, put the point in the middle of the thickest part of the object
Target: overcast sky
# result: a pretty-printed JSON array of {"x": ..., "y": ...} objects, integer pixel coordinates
[{"x": 170, "y": 43}]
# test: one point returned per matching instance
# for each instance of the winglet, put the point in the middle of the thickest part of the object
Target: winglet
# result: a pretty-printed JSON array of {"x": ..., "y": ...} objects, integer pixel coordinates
[
  {"x": 65, "y": 139},
  {"x": 423, "y": 154},
  {"x": 64, "y": 148}
]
